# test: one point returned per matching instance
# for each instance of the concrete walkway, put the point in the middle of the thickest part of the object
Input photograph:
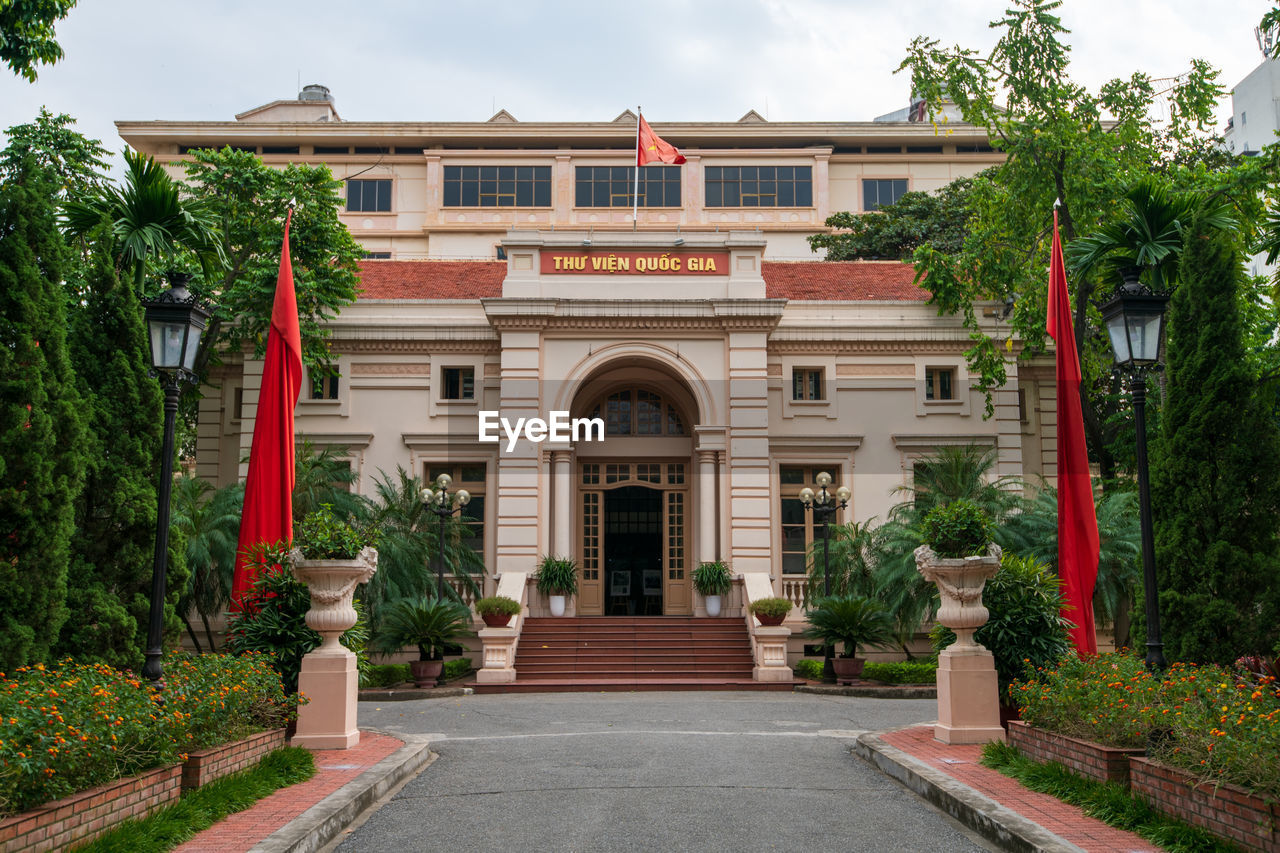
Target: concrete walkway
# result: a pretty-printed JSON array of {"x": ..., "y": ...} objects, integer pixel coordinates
[{"x": 664, "y": 771}]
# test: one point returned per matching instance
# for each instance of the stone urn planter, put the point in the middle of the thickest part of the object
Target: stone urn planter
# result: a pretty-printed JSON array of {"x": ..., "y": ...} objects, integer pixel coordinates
[
  {"x": 968, "y": 691},
  {"x": 328, "y": 677}
]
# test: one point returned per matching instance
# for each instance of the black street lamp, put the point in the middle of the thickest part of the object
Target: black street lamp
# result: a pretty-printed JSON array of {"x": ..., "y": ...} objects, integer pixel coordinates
[
  {"x": 439, "y": 503},
  {"x": 1135, "y": 322},
  {"x": 824, "y": 506},
  {"x": 174, "y": 324}
]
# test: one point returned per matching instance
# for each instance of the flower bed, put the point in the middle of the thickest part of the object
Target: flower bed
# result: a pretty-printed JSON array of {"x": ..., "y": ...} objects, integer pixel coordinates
[
  {"x": 1089, "y": 759},
  {"x": 88, "y": 814},
  {"x": 1228, "y": 811}
]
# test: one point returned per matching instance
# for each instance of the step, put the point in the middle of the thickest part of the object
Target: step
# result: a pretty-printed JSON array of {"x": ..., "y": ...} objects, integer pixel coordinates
[
  {"x": 530, "y": 670},
  {"x": 597, "y": 685}
]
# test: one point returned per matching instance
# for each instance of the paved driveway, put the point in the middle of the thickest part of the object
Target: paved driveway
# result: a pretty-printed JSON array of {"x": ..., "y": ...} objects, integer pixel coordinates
[{"x": 651, "y": 771}]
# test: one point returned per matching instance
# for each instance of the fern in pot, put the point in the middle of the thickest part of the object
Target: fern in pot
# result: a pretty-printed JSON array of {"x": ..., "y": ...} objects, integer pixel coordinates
[
  {"x": 557, "y": 579},
  {"x": 431, "y": 624},
  {"x": 850, "y": 621},
  {"x": 712, "y": 581}
]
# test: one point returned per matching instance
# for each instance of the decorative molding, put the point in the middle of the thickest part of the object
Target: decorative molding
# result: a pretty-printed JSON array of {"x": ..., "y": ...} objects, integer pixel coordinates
[
  {"x": 877, "y": 370},
  {"x": 350, "y": 440},
  {"x": 899, "y": 345},
  {"x": 425, "y": 346},
  {"x": 930, "y": 441},
  {"x": 368, "y": 368},
  {"x": 839, "y": 444}
]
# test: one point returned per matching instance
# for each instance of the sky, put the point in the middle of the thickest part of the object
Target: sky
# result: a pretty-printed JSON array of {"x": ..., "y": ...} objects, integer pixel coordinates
[{"x": 555, "y": 60}]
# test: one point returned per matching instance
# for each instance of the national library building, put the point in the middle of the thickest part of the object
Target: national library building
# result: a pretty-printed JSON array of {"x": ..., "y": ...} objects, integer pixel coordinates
[{"x": 693, "y": 370}]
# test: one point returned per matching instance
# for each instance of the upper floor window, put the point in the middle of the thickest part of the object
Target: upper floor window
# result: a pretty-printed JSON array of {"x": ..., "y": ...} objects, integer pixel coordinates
[
  {"x": 639, "y": 411},
  {"x": 497, "y": 186},
  {"x": 881, "y": 192},
  {"x": 759, "y": 186},
  {"x": 324, "y": 387},
  {"x": 369, "y": 196},
  {"x": 612, "y": 186},
  {"x": 459, "y": 383},
  {"x": 806, "y": 383},
  {"x": 939, "y": 383},
  {"x": 469, "y": 476}
]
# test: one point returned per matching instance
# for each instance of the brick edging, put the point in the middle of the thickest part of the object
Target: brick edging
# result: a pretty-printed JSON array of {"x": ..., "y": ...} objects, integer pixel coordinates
[
  {"x": 206, "y": 765},
  {"x": 1086, "y": 758},
  {"x": 1226, "y": 810}
]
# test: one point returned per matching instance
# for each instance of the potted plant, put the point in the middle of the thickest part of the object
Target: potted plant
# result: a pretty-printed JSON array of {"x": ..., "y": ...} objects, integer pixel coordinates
[
  {"x": 331, "y": 556},
  {"x": 850, "y": 621},
  {"x": 770, "y": 611},
  {"x": 712, "y": 581},
  {"x": 959, "y": 556},
  {"x": 497, "y": 610},
  {"x": 430, "y": 624},
  {"x": 557, "y": 577}
]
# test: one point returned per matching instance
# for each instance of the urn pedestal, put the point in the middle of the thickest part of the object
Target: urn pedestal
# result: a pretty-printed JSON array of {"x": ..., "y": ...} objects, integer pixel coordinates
[
  {"x": 328, "y": 678},
  {"x": 968, "y": 691}
]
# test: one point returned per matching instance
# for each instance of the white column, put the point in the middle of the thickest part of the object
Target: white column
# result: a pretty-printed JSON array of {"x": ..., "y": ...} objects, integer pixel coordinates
[
  {"x": 706, "y": 506},
  {"x": 561, "y": 471}
]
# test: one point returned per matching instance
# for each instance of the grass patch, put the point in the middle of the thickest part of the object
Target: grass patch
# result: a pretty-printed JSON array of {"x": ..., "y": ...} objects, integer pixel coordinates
[
  {"x": 1108, "y": 802},
  {"x": 202, "y": 808}
]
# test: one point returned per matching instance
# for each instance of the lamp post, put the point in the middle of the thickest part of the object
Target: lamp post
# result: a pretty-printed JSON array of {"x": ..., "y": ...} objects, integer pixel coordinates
[
  {"x": 438, "y": 502},
  {"x": 174, "y": 324},
  {"x": 1135, "y": 323},
  {"x": 824, "y": 506}
]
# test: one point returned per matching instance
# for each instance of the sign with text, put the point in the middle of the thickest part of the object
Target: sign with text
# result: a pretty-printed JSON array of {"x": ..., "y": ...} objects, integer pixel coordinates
[{"x": 588, "y": 262}]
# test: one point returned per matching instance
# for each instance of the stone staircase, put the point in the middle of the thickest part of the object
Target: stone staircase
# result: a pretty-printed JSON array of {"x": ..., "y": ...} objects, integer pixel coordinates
[{"x": 593, "y": 653}]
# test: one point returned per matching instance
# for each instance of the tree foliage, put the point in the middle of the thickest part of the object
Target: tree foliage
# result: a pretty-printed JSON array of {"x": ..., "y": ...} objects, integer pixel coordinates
[
  {"x": 895, "y": 231},
  {"x": 1215, "y": 470},
  {"x": 76, "y": 160},
  {"x": 27, "y": 34},
  {"x": 42, "y": 424}
]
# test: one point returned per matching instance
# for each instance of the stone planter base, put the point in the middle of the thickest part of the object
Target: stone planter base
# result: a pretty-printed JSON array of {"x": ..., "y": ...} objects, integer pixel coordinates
[
  {"x": 84, "y": 816},
  {"x": 1092, "y": 760},
  {"x": 204, "y": 766},
  {"x": 1225, "y": 810}
]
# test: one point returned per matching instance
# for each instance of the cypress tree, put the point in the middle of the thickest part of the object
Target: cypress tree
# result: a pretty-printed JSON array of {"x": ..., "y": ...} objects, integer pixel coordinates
[
  {"x": 41, "y": 423},
  {"x": 1215, "y": 471},
  {"x": 114, "y": 544}
]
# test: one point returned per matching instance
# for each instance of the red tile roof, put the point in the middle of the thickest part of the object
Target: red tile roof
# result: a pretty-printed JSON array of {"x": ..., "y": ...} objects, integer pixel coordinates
[{"x": 850, "y": 281}]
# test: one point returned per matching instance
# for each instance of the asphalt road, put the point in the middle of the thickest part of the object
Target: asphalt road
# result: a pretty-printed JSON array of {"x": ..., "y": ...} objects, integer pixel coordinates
[{"x": 651, "y": 771}]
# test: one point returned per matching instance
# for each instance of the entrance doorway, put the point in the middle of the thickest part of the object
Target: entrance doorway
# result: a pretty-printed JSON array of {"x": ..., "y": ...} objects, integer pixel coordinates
[{"x": 633, "y": 551}]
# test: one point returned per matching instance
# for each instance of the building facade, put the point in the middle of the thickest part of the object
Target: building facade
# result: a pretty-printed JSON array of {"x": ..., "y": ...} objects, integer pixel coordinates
[{"x": 726, "y": 365}]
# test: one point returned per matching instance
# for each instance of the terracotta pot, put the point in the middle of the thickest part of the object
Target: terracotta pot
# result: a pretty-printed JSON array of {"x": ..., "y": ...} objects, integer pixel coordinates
[
  {"x": 848, "y": 670},
  {"x": 426, "y": 672},
  {"x": 772, "y": 621},
  {"x": 496, "y": 620}
]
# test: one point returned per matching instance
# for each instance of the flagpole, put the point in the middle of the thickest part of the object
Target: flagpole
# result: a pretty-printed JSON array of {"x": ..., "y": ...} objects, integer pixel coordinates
[{"x": 635, "y": 192}]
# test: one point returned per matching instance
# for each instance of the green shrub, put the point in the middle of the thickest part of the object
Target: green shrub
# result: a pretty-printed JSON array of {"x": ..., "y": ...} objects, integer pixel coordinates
[
  {"x": 810, "y": 669},
  {"x": 385, "y": 675},
  {"x": 902, "y": 672},
  {"x": 773, "y": 608},
  {"x": 1026, "y": 627},
  {"x": 497, "y": 604},
  {"x": 456, "y": 668},
  {"x": 958, "y": 529},
  {"x": 72, "y": 726},
  {"x": 323, "y": 535},
  {"x": 712, "y": 578},
  {"x": 557, "y": 576}
]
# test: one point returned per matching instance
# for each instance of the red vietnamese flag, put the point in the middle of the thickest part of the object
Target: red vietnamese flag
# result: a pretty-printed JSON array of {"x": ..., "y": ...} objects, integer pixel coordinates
[
  {"x": 1077, "y": 521},
  {"x": 268, "y": 490},
  {"x": 651, "y": 147}
]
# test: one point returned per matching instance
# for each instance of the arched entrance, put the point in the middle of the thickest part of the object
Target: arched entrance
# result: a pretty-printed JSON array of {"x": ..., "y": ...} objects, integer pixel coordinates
[{"x": 632, "y": 494}]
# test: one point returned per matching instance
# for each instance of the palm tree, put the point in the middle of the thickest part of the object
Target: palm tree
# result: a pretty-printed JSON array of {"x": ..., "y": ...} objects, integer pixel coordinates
[
  {"x": 147, "y": 218},
  {"x": 321, "y": 475},
  {"x": 210, "y": 522},
  {"x": 1147, "y": 236},
  {"x": 852, "y": 560}
]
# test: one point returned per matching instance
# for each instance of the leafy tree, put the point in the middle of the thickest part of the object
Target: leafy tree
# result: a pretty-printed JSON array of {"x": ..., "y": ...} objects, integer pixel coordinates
[
  {"x": 895, "y": 231},
  {"x": 209, "y": 522},
  {"x": 322, "y": 477},
  {"x": 147, "y": 219},
  {"x": 113, "y": 549},
  {"x": 42, "y": 425},
  {"x": 27, "y": 34},
  {"x": 1062, "y": 142},
  {"x": 852, "y": 560},
  {"x": 1215, "y": 470},
  {"x": 76, "y": 160},
  {"x": 249, "y": 201}
]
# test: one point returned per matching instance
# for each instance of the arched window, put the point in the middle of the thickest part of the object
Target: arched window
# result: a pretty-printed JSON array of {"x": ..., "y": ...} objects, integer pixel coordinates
[{"x": 639, "y": 411}]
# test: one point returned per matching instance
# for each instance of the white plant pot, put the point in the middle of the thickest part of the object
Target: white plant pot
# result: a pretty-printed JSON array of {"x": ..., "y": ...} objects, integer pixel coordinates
[
  {"x": 713, "y": 605},
  {"x": 557, "y": 604}
]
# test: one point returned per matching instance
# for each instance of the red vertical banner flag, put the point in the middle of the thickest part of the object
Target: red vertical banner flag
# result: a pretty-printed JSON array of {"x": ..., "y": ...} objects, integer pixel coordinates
[
  {"x": 268, "y": 491},
  {"x": 1077, "y": 521},
  {"x": 650, "y": 147}
]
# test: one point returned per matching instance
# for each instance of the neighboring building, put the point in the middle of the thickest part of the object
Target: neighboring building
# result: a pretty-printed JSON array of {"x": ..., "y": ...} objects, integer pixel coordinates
[
  {"x": 1255, "y": 117},
  {"x": 727, "y": 375}
]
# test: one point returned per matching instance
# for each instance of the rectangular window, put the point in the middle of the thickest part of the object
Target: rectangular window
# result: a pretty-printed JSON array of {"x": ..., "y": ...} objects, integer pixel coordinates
[
  {"x": 879, "y": 192},
  {"x": 924, "y": 149},
  {"x": 797, "y": 527},
  {"x": 469, "y": 476},
  {"x": 806, "y": 383},
  {"x": 459, "y": 383},
  {"x": 377, "y": 256},
  {"x": 497, "y": 186},
  {"x": 759, "y": 186},
  {"x": 332, "y": 149},
  {"x": 884, "y": 149},
  {"x": 939, "y": 383},
  {"x": 371, "y": 149},
  {"x": 612, "y": 186},
  {"x": 369, "y": 196},
  {"x": 279, "y": 149},
  {"x": 324, "y": 387},
  {"x": 237, "y": 404}
]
